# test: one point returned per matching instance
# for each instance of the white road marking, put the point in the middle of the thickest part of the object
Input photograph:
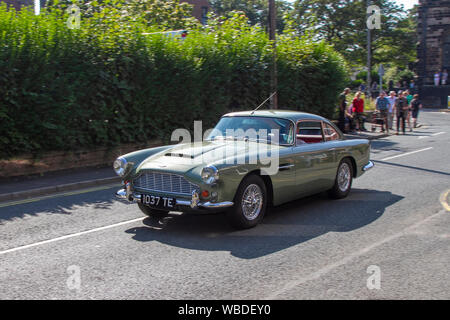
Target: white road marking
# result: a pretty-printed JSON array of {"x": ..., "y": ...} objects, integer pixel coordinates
[
  {"x": 432, "y": 135},
  {"x": 70, "y": 236},
  {"x": 406, "y": 154},
  {"x": 319, "y": 273}
]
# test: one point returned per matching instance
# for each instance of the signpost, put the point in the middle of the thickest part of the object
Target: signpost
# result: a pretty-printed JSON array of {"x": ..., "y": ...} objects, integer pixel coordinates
[{"x": 381, "y": 73}]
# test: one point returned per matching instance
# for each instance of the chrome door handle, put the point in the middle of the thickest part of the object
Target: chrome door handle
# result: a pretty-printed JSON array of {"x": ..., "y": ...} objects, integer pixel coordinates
[{"x": 286, "y": 167}]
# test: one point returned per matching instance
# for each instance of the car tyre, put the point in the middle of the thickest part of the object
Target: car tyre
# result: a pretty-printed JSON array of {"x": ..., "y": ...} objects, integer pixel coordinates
[
  {"x": 343, "y": 181},
  {"x": 152, "y": 212},
  {"x": 250, "y": 203}
]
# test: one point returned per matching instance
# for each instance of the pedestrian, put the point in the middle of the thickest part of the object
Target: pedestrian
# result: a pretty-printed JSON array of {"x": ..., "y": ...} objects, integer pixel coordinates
[
  {"x": 391, "y": 85},
  {"x": 358, "y": 111},
  {"x": 350, "y": 119},
  {"x": 392, "y": 99},
  {"x": 405, "y": 85},
  {"x": 401, "y": 109},
  {"x": 444, "y": 77},
  {"x": 343, "y": 108},
  {"x": 382, "y": 106},
  {"x": 409, "y": 98},
  {"x": 412, "y": 86},
  {"x": 437, "y": 78},
  {"x": 416, "y": 104},
  {"x": 374, "y": 89}
]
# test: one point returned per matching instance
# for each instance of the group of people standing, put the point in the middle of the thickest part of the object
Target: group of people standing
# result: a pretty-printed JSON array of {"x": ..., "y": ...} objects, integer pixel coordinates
[
  {"x": 402, "y": 107},
  {"x": 441, "y": 78}
]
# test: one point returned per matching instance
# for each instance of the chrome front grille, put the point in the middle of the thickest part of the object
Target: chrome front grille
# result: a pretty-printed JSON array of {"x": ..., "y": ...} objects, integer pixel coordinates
[{"x": 164, "y": 182}]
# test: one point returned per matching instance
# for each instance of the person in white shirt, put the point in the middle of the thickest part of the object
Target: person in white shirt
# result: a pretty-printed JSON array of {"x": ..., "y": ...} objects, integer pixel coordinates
[
  {"x": 437, "y": 78},
  {"x": 392, "y": 98}
]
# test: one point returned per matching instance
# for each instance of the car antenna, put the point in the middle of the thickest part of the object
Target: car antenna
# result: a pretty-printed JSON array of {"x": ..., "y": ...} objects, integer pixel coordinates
[{"x": 263, "y": 103}]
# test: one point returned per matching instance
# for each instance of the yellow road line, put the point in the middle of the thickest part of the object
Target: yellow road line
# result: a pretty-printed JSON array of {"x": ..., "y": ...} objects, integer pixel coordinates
[
  {"x": 65, "y": 194},
  {"x": 443, "y": 200}
]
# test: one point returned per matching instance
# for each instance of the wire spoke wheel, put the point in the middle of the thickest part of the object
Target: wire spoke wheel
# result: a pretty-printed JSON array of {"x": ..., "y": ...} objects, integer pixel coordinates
[
  {"x": 344, "y": 177},
  {"x": 252, "y": 202}
]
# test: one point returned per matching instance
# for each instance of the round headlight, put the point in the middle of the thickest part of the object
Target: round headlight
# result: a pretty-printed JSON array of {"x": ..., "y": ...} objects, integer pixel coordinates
[
  {"x": 210, "y": 174},
  {"x": 120, "y": 166}
]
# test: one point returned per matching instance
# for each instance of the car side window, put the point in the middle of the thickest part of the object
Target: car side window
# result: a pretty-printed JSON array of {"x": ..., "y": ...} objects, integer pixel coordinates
[
  {"x": 309, "y": 132},
  {"x": 330, "y": 133}
]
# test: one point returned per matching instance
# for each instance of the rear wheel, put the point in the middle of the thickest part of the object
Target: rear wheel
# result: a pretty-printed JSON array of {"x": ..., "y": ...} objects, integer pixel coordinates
[
  {"x": 250, "y": 203},
  {"x": 152, "y": 212},
  {"x": 343, "y": 182}
]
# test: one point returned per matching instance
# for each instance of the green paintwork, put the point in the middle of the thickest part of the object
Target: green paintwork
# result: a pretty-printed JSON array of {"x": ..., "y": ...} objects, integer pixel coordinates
[{"x": 314, "y": 166}]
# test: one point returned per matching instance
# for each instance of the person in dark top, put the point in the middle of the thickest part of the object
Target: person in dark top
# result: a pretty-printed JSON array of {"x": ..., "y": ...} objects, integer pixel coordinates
[
  {"x": 342, "y": 109},
  {"x": 401, "y": 108},
  {"x": 416, "y": 104},
  {"x": 382, "y": 107}
]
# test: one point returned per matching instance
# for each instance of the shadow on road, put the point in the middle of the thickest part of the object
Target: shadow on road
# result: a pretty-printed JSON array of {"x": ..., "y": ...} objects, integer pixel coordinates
[
  {"x": 97, "y": 200},
  {"x": 283, "y": 227}
]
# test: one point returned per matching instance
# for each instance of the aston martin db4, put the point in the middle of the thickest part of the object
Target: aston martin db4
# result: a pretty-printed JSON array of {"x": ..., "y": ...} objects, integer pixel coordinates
[{"x": 250, "y": 161}]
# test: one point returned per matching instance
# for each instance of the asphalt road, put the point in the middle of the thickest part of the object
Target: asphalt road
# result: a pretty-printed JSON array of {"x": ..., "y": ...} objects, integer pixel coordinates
[{"x": 87, "y": 245}]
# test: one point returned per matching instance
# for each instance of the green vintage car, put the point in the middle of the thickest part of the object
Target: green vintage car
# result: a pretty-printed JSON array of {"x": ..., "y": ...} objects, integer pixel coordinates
[{"x": 249, "y": 162}]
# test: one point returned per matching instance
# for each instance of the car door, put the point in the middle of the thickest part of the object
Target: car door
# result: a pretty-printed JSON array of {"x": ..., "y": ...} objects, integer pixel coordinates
[
  {"x": 332, "y": 147},
  {"x": 311, "y": 157}
]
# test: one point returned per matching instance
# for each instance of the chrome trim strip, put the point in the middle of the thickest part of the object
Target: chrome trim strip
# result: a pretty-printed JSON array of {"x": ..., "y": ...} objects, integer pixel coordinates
[
  {"x": 210, "y": 205},
  {"x": 368, "y": 166},
  {"x": 288, "y": 166}
]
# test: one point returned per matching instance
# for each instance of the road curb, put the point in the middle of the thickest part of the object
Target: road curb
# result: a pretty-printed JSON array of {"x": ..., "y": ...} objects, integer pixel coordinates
[{"x": 57, "y": 189}]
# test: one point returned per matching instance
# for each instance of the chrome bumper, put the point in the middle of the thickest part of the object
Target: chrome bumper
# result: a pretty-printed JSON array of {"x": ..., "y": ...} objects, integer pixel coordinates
[
  {"x": 368, "y": 166},
  {"x": 194, "y": 203}
]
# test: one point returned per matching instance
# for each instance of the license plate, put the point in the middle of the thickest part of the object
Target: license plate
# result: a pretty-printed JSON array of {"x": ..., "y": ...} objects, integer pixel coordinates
[{"x": 158, "y": 202}]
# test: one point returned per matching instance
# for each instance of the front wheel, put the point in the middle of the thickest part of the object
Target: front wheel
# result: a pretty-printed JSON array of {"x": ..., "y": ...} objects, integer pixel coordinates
[
  {"x": 250, "y": 203},
  {"x": 343, "y": 182},
  {"x": 152, "y": 212}
]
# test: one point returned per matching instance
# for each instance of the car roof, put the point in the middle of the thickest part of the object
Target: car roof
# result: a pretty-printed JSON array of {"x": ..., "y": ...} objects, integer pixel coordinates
[{"x": 284, "y": 114}]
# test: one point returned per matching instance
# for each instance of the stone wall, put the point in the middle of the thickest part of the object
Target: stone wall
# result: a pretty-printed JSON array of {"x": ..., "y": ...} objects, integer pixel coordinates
[
  {"x": 433, "y": 48},
  {"x": 56, "y": 161}
]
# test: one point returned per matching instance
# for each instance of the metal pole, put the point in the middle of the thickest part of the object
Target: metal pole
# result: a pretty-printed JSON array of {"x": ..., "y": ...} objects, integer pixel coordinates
[
  {"x": 273, "y": 69},
  {"x": 369, "y": 57}
]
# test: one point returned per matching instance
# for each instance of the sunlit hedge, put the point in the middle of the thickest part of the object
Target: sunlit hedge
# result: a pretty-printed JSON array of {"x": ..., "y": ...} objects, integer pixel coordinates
[{"x": 106, "y": 83}]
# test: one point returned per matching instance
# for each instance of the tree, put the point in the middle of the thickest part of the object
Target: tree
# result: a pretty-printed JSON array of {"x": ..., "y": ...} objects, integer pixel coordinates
[
  {"x": 257, "y": 11},
  {"x": 343, "y": 24}
]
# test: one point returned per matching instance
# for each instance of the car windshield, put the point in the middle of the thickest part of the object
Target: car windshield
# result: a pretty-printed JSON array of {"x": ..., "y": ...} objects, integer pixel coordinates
[{"x": 251, "y": 128}]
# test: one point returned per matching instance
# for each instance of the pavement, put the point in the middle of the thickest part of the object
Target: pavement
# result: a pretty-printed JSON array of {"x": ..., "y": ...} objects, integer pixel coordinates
[{"x": 389, "y": 239}]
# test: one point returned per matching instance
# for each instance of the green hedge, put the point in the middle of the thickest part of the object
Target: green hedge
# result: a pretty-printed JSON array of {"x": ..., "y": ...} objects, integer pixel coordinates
[{"x": 106, "y": 83}]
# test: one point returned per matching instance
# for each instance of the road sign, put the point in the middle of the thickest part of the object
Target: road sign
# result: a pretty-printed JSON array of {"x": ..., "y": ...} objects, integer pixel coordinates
[{"x": 381, "y": 70}]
